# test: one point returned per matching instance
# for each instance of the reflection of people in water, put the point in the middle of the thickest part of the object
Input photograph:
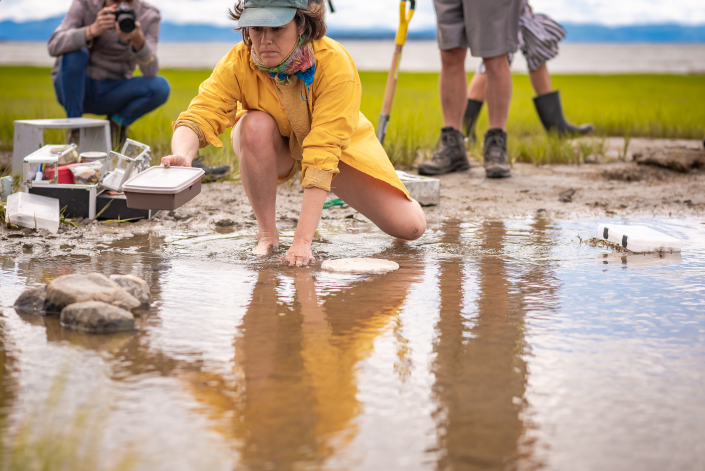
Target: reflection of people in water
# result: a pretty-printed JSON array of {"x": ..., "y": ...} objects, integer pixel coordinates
[
  {"x": 7, "y": 389},
  {"x": 480, "y": 372},
  {"x": 297, "y": 396}
]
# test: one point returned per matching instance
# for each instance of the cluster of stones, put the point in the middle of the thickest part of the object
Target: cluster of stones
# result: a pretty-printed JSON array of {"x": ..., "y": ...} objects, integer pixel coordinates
[{"x": 89, "y": 303}]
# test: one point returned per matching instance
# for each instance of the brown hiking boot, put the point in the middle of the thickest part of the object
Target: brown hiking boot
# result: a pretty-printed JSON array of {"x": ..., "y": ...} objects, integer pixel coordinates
[
  {"x": 451, "y": 157},
  {"x": 496, "y": 163}
]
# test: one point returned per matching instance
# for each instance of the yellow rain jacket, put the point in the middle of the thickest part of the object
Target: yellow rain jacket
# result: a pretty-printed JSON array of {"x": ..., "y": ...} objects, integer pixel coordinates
[{"x": 339, "y": 131}]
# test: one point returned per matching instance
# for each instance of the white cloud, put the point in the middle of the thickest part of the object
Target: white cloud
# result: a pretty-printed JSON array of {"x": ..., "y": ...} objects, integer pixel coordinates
[
  {"x": 384, "y": 13},
  {"x": 23, "y": 10},
  {"x": 621, "y": 12}
]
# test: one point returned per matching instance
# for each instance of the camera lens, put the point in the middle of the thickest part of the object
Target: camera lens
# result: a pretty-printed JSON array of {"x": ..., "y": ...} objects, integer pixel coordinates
[
  {"x": 125, "y": 17},
  {"x": 126, "y": 23}
]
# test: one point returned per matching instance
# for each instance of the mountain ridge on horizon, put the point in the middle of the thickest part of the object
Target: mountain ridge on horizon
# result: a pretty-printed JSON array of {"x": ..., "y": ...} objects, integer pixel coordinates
[{"x": 673, "y": 33}]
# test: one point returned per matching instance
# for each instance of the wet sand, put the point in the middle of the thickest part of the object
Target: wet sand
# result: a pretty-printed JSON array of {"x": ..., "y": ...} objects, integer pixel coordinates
[{"x": 610, "y": 190}]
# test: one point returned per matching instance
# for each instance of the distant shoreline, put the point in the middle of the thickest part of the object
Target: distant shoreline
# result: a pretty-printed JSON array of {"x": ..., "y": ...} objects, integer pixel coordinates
[
  {"x": 577, "y": 33},
  {"x": 408, "y": 40},
  {"x": 423, "y": 56}
]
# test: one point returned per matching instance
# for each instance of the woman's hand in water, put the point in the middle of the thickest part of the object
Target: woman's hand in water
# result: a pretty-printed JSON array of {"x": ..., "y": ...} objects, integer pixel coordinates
[
  {"x": 299, "y": 254},
  {"x": 176, "y": 161}
]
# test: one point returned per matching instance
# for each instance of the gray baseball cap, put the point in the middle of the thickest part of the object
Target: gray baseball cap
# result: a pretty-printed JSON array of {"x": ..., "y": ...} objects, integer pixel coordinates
[{"x": 270, "y": 13}]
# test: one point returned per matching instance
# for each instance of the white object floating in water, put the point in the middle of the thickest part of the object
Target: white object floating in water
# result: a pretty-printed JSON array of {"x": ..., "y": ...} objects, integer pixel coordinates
[
  {"x": 639, "y": 238},
  {"x": 360, "y": 265},
  {"x": 33, "y": 211}
]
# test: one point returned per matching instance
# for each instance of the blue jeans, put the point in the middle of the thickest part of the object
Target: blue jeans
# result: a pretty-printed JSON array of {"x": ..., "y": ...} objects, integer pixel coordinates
[{"x": 127, "y": 99}]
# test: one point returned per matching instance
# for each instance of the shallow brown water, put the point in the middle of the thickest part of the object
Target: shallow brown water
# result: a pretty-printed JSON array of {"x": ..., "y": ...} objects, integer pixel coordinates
[{"x": 496, "y": 345}]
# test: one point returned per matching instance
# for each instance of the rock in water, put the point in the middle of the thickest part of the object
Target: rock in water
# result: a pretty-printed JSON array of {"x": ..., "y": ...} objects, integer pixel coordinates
[
  {"x": 134, "y": 285},
  {"x": 360, "y": 265},
  {"x": 32, "y": 301},
  {"x": 69, "y": 289},
  {"x": 97, "y": 318}
]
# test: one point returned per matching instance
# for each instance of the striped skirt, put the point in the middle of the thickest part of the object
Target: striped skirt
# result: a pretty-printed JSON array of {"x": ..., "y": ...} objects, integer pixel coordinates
[{"x": 539, "y": 36}]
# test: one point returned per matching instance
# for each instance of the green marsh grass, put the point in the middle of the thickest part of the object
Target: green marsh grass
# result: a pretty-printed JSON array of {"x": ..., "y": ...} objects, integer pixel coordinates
[{"x": 644, "y": 105}]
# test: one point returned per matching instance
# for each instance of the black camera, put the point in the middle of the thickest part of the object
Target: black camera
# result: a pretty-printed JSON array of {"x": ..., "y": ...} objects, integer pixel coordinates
[{"x": 125, "y": 17}]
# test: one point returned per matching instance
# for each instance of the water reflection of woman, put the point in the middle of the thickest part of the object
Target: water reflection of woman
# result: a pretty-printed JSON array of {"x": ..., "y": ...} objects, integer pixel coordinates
[
  {"x": 292, "y": 96},
  {"x": 296, "y": 399}
]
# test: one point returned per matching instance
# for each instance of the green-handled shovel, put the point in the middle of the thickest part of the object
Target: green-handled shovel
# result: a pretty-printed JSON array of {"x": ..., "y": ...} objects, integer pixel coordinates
[{"x": 404, "y": 18}]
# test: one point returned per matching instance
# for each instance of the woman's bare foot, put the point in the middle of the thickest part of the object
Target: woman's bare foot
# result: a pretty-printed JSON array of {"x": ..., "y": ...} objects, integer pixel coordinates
[{"x": 267, "y": 242}]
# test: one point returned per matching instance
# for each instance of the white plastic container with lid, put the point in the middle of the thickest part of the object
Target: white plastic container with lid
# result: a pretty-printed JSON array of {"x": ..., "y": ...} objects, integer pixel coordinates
[
  {"x": 639, "y": 238},
  {"x": 33, "y": 211},
  {"x": 50, "y": 155},
  {"x": 163, "y": 188}
]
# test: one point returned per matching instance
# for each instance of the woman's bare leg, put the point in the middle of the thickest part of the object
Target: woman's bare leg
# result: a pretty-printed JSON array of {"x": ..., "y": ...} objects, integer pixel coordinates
[
  {"x": 381, "y": 203},
  {"x": 541, "y": 80},
  {"x": 264, "y": 156},
  {"x": 478, "y": 87}
]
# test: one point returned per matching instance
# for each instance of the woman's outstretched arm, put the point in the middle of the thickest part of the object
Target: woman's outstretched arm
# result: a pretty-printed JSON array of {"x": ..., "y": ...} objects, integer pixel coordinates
[
  {"x": 184, "y": 145},
  {"x": 299, "y": 254}
]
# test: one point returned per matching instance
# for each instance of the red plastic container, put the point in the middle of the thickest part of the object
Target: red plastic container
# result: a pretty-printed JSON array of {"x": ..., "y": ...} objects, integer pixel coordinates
[{"x": 65, "y": 174}]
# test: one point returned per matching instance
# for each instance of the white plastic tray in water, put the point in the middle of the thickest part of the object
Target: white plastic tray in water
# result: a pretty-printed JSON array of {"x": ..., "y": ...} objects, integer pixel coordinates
[
  {"x": 639, "y": 238},
  {"x": 33, "y": 211},
  {"x": 163, "y": 180}
]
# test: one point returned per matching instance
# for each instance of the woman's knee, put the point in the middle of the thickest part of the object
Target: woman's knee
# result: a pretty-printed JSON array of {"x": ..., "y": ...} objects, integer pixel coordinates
[
  {"x": 254, "y": 131},
  {"x": 417, "y": 222},
  {"x": 413, "y": 224}
]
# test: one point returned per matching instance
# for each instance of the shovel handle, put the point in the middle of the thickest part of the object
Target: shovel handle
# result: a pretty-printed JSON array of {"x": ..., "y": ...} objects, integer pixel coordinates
[
  {"x": 391, "y": 81},
  {"x": 404, "y": 18}
]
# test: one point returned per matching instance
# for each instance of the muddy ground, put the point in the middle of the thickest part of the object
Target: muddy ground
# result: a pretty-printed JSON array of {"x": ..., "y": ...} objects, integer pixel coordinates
[{"x": 621, "y": 189}]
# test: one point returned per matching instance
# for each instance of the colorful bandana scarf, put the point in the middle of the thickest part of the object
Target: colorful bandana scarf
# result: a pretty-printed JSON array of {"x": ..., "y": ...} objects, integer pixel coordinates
[{"x": 299, "y": 63}]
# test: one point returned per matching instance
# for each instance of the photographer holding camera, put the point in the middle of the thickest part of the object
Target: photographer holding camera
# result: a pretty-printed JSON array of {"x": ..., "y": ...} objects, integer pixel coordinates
[{"x": 98, "y": 45}]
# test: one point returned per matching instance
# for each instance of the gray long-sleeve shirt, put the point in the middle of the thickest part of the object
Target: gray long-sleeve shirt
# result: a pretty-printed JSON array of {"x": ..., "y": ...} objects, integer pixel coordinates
[{"x": 110, "y": 57}]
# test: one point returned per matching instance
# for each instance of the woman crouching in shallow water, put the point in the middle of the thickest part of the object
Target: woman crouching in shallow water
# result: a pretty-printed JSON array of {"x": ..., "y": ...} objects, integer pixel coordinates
[{"x": 292, "y": 96}]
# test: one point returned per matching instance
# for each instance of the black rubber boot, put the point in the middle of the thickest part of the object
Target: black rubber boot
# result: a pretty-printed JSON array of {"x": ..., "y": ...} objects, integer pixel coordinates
[
  {"x": 495, "y": 154},
  {"x": 472, "y": 111},
  {"x": 550, "y": 112},
  {"x": 212, "y": 173},
  {"x": 451, "y": 157}
]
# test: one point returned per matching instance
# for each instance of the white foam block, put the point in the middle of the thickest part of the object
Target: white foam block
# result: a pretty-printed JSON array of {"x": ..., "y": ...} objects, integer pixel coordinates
[
  {"x": 425, "y": 190},
  {"x": 359, "y": 265},
  {"x": 639, "y": 238},
  {"x": 33, "y": 211}
]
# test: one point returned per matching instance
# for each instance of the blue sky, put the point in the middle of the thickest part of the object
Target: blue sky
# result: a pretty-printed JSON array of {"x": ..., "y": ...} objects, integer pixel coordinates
[{"x": 360, "y": 13}]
